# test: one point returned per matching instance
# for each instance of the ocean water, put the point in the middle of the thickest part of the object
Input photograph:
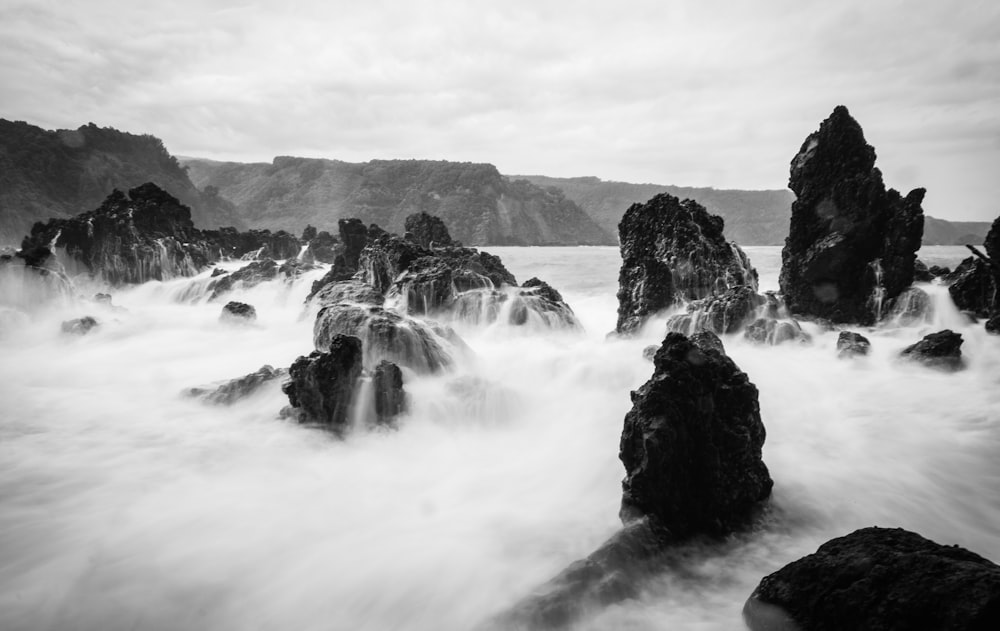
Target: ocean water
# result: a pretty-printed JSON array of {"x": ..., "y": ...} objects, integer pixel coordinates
[{"x": 126, "y": 505}]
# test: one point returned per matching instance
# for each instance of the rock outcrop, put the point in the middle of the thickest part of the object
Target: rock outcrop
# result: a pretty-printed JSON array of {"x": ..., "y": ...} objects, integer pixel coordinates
[
  {"x": 673, "y": 251},
  {"x": 321, "y": 386},
  {"x": 387, "y": 389},
  {"x": 852, "y": 244},
  {"x": 238, "y": 312},
  {"x": 724, "y": 313},
  {"x": 428, "y": 231},
  {"x": 938, "y": 350},
  {"x": 975, "y": 283},
  {"x": 248, "y": 276},
  {"x": 236, "y": 389},
  {"x": 253, "y": 244},
  {"x": 883, "y": 579},
  {"x": 850, "y": 344}
]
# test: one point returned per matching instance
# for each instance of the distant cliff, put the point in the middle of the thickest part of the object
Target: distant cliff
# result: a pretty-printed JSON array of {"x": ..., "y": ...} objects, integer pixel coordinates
[
  {"x": 478, "y": 204},
  {"x": 45, "y": 174},
  {"x": 752, "y": 217}
]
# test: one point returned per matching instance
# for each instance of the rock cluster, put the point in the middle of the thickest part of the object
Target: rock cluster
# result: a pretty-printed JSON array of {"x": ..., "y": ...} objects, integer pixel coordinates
[
  {"x": 882, "y": 579},
  {"x": 851, "y": 248},
  {"x": 673, "y": 251}
]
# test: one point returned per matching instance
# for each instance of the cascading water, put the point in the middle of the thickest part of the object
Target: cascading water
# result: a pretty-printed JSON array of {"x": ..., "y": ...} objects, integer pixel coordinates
[{"x": 127, "y": 505}]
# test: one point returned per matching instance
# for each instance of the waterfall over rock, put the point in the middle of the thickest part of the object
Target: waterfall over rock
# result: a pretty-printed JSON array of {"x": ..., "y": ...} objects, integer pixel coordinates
[{"x": 852, "y": 244}]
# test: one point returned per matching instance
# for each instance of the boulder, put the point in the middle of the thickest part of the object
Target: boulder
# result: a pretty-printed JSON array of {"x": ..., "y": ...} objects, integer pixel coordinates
[
  {"x": 775, "y": 331},
  {"x": 79, "y": 326},
  {"x": 238, "y": 312},
  {"x": 723, "y": 313},
  {"x": 974, "y": 288},
  {"x": 246, "y": 277},
  {"x": 850, "y": 344},
  {"x": 428, "y": 231},
  {"x": 387, "y": 388},
  {"x": 352, "y": 291},
  {"x": 236, "y": 389},
  {"x": 321, "y": 385},
  {"x": 692, "y": 443},
  {"x": 921, "y": 273},
  {"x": 913, "y": 306},
  {"x": 353, "y": 238},
  {"x": 852, "y": 244},
  {"x": 936, "y": 271},
  {"x": 880, "y": 579},
  {"x": 672, "y": 252},
  {"x": 938, "y": 350},
  {"x": 322, "y": 247}
]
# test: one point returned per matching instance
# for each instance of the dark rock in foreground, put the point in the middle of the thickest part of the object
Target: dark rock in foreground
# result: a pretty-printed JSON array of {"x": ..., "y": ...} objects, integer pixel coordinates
[
  {"x": 937, "y": 350},
  {"x": 79, "y": 326},
  {"x": 921, "y": 273},
  {"x": 321, "y": 386},
  {"x": 238, "y": 312},
  {"x": 880, "y": 579},
  {"x": 852, "y": 244},
  {"x": 673, "y": 251},
  {"x": 850, "y": 344},
  {"x": 387, "y": 389},
  {"x": 232, "y": 391},
  {"x": 692, "y": 443}
]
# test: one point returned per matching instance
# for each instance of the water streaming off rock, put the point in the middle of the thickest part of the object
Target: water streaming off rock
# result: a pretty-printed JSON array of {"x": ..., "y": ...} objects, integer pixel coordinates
[{"x": 126, "y": 505}]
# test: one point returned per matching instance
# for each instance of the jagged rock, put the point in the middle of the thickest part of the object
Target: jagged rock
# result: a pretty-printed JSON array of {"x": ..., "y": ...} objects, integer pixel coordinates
[
  {"x": 538, "y": 297},
  {"x": 238, "y": 312},
  {"x": 293, "y": 268},
  {"x": 534, "y": 302},
  {"x": 879, "y": 579},
  {"x": 772, "y": 331},
  {"x": 323, "y": 247},
  {"x": 852, "y": 244},
  {"x": 232, "y": 391},
  {"x": 976, "y": 283},
  {"x": 723, "y": 313},
  {"x": 321, "y": 386},
  {"x": 387, "y": 387},
  {"x": 353, "y": 238},
  {"x": 911, "y": 307},
  {"x": 428, "y": 231},
  {"x": 218, "y": 272},
  {"x": 993, "y": 325},
  {"x": 936, "y": 271},
  {"x": 79, "y": 326},
  {"x": 386, "y": 335},
  {"x": 921, "y": 273},
  {"x": 692, "y": 443},
  {"x": 253, "y": 244},
  {"x": 353, "y": 291},
  {"x": 247, "y": 276},
  {"x": 938, "y": 350},
  {"x": 707, "y": 339},
  {"x": 850, "y": 344},
  {"x": 308, "y": 233},
  {"x": 673, "y": 251}
]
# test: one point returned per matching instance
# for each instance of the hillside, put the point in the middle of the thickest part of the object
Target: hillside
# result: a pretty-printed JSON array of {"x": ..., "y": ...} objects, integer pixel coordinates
[
  {"x": 62, "y": 173},
  {"x": 478, "y": 204},
  {"x": 752, "y": 217}
]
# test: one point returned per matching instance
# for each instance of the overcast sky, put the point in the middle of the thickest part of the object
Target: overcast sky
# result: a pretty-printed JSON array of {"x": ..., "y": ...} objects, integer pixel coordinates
[{"x": 694, "y": 93}]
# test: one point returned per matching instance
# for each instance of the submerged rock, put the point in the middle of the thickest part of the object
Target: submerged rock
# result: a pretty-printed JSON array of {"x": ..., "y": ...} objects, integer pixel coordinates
[
  {"x": 850, "y": 344},
  {"x": 913, "y": 306},
  {"x": 852, "y": 243},
  {"x": 387, "y": 388},
  {"x": 321, "y": 385},
  {"x": 246, "y": 277},
  {"x": 238, "y": 312},
  {"x": 774, "y": 331},
  {"x": 881, "y": 579},
  {"x": 79, "y": 326},
  {"x": 232, "y": 391},
  {"x": 692, "y": 443},
  {"x": 428, "y": 231},
  {"x": 724, "y": 313},
  {"x": 673, "y": 251},
  {"x": 938, "y": 350}
]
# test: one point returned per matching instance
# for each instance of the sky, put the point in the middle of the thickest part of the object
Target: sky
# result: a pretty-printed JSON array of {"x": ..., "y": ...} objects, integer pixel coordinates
[{"x": 691, "y": 93}]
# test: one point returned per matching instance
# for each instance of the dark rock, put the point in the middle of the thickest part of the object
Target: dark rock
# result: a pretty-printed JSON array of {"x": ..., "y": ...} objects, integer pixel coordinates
[
  {"x": 353, "y": 239},
  {"x": 911, "y": 307},
  {"x": 707, "y": 339},
  {"x": 387, "y": 387},
  {"x": 352, "y": 291},
  {"x": 673, "y": 251},
  {"x": 993, "y": 325},
  {"x": 218, "y": 272},
  {"x": 534, "y": 302},
  {"x": 774, "y": 331},
  {"x": 428, "y": 231},
  {"x": 692, "y": 443},
  {"x": 723, "y": 313},
  {"x": 253, "y": 244},
  {"x": 249, "y": 276},
  {"x": 974, "y": 288},
  {"x": 323, "y": 247},
  {"x": 938, "y": 350},
  {"x": 936, "y": 271},
  {"x": 921, "y": 273},
  {"x": 308, "y": 233},
  {"x": 880, "y": 579},
  {"x": 850, "y": 344},
  {"x": 852, "y": 244},
  {"x": 238, "y": 312},
  {"x": 386, "y": 335},
  {"x": 79, "y": 326},
  {"x": 232, "y": 391},
  {"x": 321, "y": 386}
]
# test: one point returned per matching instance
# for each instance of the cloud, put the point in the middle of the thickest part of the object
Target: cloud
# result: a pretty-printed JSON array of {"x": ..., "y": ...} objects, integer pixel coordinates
[{"x": 692, "y": 93}]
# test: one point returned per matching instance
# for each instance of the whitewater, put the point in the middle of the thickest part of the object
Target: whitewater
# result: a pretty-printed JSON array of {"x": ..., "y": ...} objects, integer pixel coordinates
[{"x": 125, "y": 504}]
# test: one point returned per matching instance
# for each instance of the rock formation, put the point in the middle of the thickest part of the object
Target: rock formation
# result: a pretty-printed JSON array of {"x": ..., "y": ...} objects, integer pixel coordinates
[
  {"x": 253, "y": 244},
  {"x": 938, "y": 350},
  {"x": 238, "y": 312},
  {"x": 673, "y": 251},
  {"x": 850, "y": 344},
  {"x": 975, "y": 283},
  {"x": 427, "y": 231},
  {"x": 882, "y": 579},
  {"x": 723, "y": 313},
  {"x": 387, "y": 389},
  {"x": 236, "y": 389},
  {"x": 852, "y": 244},
  {"x": 321, "y": 386}
]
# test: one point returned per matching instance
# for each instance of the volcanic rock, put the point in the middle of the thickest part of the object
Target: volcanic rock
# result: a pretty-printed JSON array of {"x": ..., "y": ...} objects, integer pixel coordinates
[
  {"x": 921, "y": 273},
  {"x": 387, "y": 387},
  {"x": 880, "y": 579},
  {"x": 321, "y": 386},
  {"x": 673, "y": 251},
  {"x": 850, "y": 344},
  {"x": 938, "y": 350},
  {"x": 238, "y": 312},
  {"x": 852, "y": 244},
  {"x": 428, "y": 231},
  {"x": 723, "y": 313},
  {"x": 774, "y": 331},
  {"x": 245, "y": 277}
]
